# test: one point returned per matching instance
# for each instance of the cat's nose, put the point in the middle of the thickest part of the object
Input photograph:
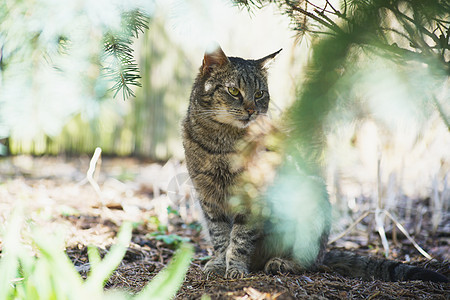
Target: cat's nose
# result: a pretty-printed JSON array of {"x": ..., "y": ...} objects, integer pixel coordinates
[{"x": 250, "y": 111}]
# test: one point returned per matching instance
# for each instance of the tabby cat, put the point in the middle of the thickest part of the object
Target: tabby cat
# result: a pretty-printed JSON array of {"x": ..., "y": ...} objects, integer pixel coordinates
[{"x": 228, "y": 95}]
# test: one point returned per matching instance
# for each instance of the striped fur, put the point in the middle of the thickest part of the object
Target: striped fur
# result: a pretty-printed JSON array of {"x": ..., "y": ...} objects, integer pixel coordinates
[
  {"x": 215, "y": 122},
  {"x": 353, "y": 265}
]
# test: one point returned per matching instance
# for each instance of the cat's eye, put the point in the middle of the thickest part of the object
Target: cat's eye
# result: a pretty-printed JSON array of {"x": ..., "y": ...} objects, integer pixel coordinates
[
  {"x": 259, "y": 94},
  {"x": 233, "y": 91}
]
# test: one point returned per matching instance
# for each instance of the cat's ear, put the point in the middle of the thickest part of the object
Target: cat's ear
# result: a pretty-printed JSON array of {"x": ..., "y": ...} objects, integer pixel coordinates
[
  {"x": 266, "y": 61},
  {"x": 214, "y": 57}
]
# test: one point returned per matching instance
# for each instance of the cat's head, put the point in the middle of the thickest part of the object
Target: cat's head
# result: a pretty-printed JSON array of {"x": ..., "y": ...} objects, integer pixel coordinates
[{"x": 232, "y": 90}]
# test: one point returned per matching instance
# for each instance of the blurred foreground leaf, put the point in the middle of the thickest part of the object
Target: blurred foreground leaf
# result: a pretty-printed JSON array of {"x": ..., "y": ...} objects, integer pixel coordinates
[
  {"x": 51, "y": 275},
  {"x": 169, "y": 280},
  {"x": 60, "y": 58}
]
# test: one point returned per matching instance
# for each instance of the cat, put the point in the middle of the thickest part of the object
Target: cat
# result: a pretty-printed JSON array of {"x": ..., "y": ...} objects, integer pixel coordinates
[{"x": 228, "y": 96}]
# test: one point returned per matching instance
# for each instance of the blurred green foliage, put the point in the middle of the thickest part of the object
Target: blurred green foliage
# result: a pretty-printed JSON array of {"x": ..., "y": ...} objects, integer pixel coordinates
[
  {"x": 48, "y": 43},
  {"x": 171, "y": 239},
  {"x": 62, "y": 62},
  {"x": 49, "y": 274},
  {"x": 162, "y": 231},
  {"x": 386, "y": 61},
  {"x": 59, "y": 60},
  {"x": 401, "y": 40}
]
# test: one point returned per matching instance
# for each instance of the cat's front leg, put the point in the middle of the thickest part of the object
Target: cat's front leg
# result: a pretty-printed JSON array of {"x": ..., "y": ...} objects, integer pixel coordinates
[
  {"x": 240, "y": 250},
  {"x": 219, "y": 229}
]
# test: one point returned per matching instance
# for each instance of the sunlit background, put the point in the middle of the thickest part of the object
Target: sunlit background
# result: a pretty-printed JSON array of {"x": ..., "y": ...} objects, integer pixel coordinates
[{"x": 64, "y": 115}]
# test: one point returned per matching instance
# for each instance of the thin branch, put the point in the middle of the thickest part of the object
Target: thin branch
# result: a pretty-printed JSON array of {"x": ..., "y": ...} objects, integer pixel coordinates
[
  {"x": 323, "y": 9},
  {"x": 380, "y": 228},
  {"x": 91, "y": 170},
  {"x": 322, "y": 32},
  {"x": 401, "y": 15},
  {"x": 379, "y": 209},
  {"x": 337, "y": 12},
  {"x": 403, "y": 230},
  {"x": 335, "y": 26},
  {"x": 438, "y": 27},
  {"x": 312, "y": 16},
  {"x": 413, "y": 37},
  {"x": 399, "y": 226},
  {"x": 350, "y": 228},
  {"x": 395, "y": 31},
  {"x": 345, "y": 8},
  {"x": 394, "y": 49},
  {"x": 442, "y": 21}
]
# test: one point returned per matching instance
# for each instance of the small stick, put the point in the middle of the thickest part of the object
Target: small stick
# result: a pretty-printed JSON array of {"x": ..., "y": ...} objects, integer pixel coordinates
[
  {"x": 91, "y": 170},
  {"x": 380, "y": 228},
  {"x": 399, "y": 226},
  {"x": 379, "y": 220},
  {"x": 394, "y": 236},
  {"x": 403, "y": 230},
  {"x": 350, "y": 228}
]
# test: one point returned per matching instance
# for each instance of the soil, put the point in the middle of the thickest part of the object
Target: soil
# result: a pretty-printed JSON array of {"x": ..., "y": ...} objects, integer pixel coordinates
[{"x": 155, "y": 197}]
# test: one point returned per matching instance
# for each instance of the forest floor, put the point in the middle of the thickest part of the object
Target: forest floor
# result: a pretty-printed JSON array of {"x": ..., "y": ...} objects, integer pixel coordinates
[{"x": 56, "y": 194}]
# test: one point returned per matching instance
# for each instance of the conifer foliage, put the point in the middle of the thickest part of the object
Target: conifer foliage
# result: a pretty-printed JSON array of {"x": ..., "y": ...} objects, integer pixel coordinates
[
  {"x": 122, "y": 67},
  {"x": 403, "y": 29},
  {"x": 411, "y": 36},
  {"x": 59, "y": 59}
]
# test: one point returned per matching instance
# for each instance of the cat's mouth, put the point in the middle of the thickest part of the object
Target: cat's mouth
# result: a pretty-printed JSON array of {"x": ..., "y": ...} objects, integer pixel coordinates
[
  {"x": 240, "y": 121},
  {"x": 247, "y": 120}
]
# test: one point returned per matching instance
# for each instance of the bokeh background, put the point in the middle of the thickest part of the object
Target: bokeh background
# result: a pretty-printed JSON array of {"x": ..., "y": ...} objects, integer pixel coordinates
[
  {"x": 385, "y": 138},
  {"x": 46, "y": 115},
  {"x": 91, "y": 102}
]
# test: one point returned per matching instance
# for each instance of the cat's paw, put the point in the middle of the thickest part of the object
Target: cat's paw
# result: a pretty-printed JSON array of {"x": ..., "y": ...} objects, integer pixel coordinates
[
  {"x": 278, "y": 265},
  {"x": 236, "y": 272},
  {"x": 215, "y": 266}
]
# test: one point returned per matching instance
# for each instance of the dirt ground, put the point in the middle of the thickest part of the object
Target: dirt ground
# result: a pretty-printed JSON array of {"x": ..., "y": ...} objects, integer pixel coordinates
[{"x": 155, "y": 197}]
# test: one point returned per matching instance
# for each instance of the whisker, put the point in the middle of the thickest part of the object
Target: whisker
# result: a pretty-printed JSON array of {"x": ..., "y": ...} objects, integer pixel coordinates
[
  {"x": 206, "y": 117},
  {"x": 211, "y": 112},
  {"x": 209, "y": 109},
  {"x": 205, "y": 114}
]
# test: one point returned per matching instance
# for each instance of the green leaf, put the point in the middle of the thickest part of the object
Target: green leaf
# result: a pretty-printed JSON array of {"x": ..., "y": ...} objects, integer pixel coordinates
[
  {"x": 171, "y": 239},
  {"x": 56, "y": 265},
  {"x": 11, "y": 249},
  {"x": 94, "y": 257},
  {"x": 123, "y": 69},
  {"x": 51, "y": 275},
  {"x": 171, "y": 210},
  {"x": 104, "y": 269},
  {"x": 168, "y": 281}
]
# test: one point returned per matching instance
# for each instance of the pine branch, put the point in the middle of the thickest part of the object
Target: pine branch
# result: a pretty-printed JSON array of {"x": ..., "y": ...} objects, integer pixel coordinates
[
  {"x": 122, "y": 67},
  {"x": 419, "y": 23},
  {"x": 135, "y": 22}
]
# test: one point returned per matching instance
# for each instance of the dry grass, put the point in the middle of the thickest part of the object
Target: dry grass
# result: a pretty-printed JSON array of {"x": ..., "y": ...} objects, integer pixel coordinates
[{"x": 57, "y": 198}]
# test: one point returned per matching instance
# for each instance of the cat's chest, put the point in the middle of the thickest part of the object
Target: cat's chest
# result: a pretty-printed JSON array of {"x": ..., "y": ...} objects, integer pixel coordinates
[
  {"x": 222, "y": 142},
  {"x": 219, "y": 165}
]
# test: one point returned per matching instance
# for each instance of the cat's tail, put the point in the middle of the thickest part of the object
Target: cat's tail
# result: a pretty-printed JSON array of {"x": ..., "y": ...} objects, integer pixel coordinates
[{"x": 354, "y": 265}]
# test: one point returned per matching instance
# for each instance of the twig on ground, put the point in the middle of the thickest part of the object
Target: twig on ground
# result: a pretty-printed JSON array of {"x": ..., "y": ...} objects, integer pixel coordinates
[
  {"x": 379, "y": 220},
  {"x": 403, "y": 230},
  {"x": 350, "y": 228},
  {"x": 91, "y": 170},
  {"x": 399, "y": 226}
]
